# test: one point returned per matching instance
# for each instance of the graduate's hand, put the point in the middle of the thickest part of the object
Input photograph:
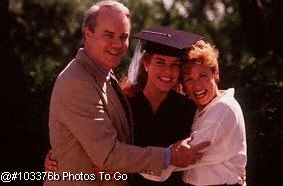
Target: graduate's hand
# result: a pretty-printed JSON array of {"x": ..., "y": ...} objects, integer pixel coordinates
[{"x": 49, "y": 164}]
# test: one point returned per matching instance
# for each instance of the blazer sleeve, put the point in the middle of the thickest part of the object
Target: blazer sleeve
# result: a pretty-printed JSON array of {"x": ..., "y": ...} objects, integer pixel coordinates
[{"x": 83, "y": 113}]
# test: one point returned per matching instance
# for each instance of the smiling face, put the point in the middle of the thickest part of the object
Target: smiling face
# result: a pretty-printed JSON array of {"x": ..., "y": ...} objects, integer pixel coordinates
[
  {"x": 200, "y": 83},
  {"x": 109, "y": 41},
  {"x": 163, "y": 72}
]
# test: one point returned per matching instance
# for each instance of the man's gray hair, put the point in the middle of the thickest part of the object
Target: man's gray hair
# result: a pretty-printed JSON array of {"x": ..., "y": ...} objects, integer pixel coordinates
[{"x": 91, "y": 14}]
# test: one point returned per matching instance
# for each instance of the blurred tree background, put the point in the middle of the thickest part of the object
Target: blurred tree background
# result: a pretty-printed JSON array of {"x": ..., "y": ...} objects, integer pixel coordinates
[{"x": 39, "y": 38}]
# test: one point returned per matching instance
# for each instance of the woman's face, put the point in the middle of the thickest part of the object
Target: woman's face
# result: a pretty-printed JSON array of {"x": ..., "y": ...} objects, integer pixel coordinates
[
  {"x": 200, "y": 83},
  {"x": 163, "y": 72}
]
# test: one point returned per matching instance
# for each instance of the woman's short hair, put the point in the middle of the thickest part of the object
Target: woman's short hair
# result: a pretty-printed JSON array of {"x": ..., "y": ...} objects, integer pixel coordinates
[{"x": 203, "y": 53}]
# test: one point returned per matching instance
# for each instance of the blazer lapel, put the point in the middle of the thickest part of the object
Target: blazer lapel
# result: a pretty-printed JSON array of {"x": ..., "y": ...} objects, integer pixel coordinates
[
  {"x": 109, "y": 94},
  {"x": 113, "y": 97},
  {"x": 129, "y": 120}
]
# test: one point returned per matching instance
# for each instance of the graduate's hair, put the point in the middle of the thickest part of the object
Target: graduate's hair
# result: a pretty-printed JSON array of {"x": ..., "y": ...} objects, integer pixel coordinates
[{"x": 131, "y": 89}]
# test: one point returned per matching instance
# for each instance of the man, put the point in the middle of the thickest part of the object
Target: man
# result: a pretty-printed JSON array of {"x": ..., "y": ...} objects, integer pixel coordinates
[{"x": 90, "y": 120}]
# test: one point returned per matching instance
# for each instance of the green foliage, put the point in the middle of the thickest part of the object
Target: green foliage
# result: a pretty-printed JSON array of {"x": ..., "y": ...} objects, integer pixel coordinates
[{"x": 47, "y": 33}]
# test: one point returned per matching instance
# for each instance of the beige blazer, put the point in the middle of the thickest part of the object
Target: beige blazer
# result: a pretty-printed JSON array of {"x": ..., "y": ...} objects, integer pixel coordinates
[{"x": 88, "y": 127}]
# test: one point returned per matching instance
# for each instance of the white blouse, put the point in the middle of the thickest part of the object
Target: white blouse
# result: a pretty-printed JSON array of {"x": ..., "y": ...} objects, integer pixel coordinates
[{"x": 222, "y": 123}]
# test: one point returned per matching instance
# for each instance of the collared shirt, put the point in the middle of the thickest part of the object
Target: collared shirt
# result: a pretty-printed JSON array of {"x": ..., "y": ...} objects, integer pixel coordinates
[
  {"x": 103, "y": 70},
  {"x": 222, "y": 123}
]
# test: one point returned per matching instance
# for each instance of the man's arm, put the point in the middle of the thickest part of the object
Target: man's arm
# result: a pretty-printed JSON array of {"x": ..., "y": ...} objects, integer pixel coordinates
[
  {"x": 80, "y": 108},
  {"x": 82, "y": 111}
]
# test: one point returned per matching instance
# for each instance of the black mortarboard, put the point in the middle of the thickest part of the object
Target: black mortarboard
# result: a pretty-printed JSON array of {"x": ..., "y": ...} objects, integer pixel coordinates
[{"x": 166, "y": 41}]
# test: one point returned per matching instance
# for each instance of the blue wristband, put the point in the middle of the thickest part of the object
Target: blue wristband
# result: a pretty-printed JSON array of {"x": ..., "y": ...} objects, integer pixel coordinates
[{"x": 167, "y": 158}]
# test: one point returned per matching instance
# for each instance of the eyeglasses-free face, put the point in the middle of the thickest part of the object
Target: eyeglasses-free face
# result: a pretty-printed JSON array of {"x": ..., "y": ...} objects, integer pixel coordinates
[
  {"x": 109, "y": 41},
  {"x": 163, "y": 72},
  {"x": 200, "y": 83}
]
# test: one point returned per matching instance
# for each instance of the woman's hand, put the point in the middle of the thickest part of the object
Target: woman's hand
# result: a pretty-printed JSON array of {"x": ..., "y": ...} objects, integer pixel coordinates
[{"x": 49, "y": 164}]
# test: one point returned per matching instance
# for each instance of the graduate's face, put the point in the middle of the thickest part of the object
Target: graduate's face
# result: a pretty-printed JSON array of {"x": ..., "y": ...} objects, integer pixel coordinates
[
  {"x": 200, "y": 83},
  {"x": 163, "y": 72}
]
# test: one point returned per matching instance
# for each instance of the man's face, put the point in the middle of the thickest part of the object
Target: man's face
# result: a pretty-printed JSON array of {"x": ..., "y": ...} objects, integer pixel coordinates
[{"x": 109, "y": 42}]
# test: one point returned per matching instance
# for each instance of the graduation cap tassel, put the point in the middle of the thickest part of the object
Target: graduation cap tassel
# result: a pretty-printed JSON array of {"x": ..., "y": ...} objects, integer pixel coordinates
[{"x": 135, "y": 64}]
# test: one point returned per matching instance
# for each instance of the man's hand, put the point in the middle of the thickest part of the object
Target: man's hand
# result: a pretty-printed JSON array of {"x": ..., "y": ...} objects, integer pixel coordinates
[{"x": 183, "y": 154}]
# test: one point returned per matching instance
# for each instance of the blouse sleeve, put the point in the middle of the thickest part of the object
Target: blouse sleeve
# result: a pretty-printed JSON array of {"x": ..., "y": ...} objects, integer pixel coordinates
[{"x": 220, "y": 126}]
